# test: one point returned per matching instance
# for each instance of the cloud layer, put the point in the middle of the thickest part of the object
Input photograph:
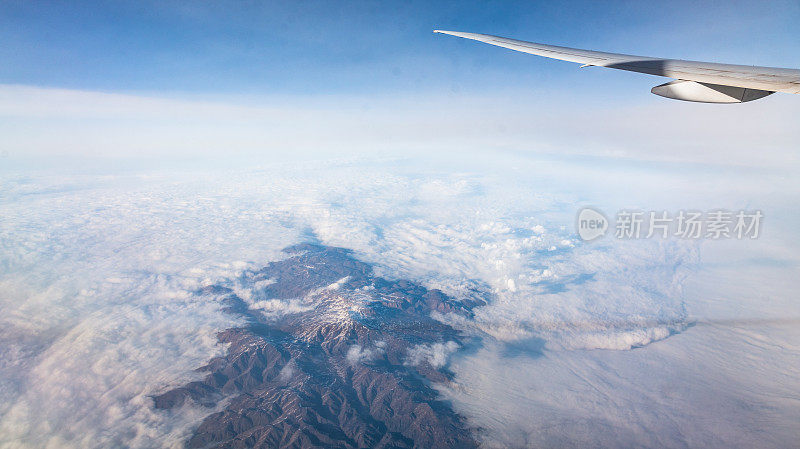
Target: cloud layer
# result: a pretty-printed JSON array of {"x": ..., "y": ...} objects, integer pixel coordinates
[{"x": 98, "y": 272}]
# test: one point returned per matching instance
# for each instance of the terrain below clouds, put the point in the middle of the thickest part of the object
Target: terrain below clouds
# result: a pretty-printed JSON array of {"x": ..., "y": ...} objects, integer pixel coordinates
[
  {"x": 341, "y": 358},
  {"x": 343, "y": 372}
]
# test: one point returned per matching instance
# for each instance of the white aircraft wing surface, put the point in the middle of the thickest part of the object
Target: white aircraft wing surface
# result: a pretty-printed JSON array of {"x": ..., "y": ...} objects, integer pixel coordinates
[{"x": 707, "y": 82}]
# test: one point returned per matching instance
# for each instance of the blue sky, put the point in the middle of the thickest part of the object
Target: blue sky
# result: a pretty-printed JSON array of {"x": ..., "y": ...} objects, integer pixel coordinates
[
  {"x": 261, "y": 81},
  {"x": 319, "y": 47}
]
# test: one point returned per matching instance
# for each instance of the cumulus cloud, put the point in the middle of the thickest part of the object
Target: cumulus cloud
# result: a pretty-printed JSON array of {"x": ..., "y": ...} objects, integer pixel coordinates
[
  {"x": 275, "y": 308},
  {"x": 436, "y": 354},
  {"x": 358, "y": 354},
  {"x": 288, "y": 371},
  {"x": 338, "y": 284}
]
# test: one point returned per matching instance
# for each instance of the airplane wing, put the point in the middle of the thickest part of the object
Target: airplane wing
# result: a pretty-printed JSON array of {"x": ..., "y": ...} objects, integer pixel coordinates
[{"x": 705, "y": 82}]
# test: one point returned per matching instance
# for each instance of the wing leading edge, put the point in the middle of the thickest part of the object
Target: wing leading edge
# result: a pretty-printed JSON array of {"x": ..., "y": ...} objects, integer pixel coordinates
[{"x": 695, "y": 81}]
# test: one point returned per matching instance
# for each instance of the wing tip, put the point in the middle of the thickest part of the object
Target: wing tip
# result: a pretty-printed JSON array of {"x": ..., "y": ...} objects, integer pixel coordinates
[
  {"x": 465, "y": 35},
  {"x": 452, "y": 33}
]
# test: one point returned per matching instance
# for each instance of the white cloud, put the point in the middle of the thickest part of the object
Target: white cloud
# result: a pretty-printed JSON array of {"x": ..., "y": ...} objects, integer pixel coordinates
[
  {"x": 436, "y": 354},
  {"x": 358, "y": 354},
  {"x": 338, "y": 284},
  {"x": 288, "y": 371},
  {"x": 275, "y": 308},
  {"x": 99, "y": 373}
]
